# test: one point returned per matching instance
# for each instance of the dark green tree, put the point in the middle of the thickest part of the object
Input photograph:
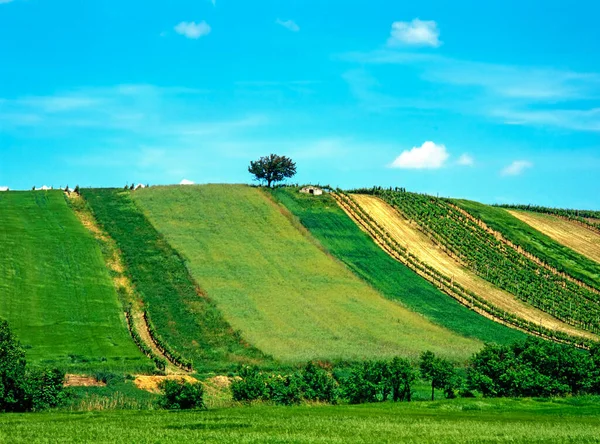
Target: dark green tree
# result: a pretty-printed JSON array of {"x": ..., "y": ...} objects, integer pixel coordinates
[
  {"x": 12, "y": 371},
  {"x": 272, "y": 168},
  {"x": 440, "y": 372}
]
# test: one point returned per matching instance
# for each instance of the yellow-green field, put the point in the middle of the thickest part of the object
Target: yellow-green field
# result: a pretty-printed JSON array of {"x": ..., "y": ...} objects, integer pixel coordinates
[{"x": 277, "y": 285}]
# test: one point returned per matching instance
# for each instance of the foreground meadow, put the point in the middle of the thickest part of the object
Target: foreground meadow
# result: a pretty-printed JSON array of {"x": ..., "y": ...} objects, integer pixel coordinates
[{"x": 574, "y": 420}]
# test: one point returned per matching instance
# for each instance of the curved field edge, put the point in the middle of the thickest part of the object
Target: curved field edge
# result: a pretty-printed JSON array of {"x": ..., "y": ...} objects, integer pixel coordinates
[
  {"x": 185, "y": 321},
  {"x": 344, "y": 240},
  {"x": 570, "y": 233},
  {"x": 272, "y": 282},
  {"x": 442, "y": 268},
  {"x": 548, "y": 250},
  {"x": 56, "y": 291}
]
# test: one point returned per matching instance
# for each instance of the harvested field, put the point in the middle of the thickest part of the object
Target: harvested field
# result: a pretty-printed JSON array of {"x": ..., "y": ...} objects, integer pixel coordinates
[
  {"x": 574, "y": 235},
  {"x": 407, "y": 234}
]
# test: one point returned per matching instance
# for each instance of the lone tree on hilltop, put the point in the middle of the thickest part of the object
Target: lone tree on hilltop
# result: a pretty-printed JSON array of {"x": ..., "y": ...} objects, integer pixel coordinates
[{"x": 272, "y": 168}]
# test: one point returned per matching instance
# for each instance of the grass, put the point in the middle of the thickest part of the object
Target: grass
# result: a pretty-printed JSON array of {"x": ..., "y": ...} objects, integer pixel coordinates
[
  {"x": 273, "y": 282},
  {"x": 533, "y": 241},
  {"x": 55, "y": 289},
  {"x": 183, "y": 316},
  {"x": 574, "y": 420},
  {"x": 342, "y": 238}
]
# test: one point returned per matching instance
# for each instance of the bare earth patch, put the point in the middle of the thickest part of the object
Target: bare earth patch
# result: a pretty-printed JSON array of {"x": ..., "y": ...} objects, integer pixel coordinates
[
  {"x": 151, "y": 383},
  {"x": 407, "y": 234},
  {"x": 82, "y": 381},
  {"x": 574, "y": 235}
]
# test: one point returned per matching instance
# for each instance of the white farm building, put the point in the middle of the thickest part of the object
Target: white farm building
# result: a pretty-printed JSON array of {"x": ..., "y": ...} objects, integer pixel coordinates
[{"x": 316, "y": 191}]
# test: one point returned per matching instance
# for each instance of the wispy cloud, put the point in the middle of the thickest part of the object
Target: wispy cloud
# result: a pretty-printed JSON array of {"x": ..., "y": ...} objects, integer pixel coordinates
[
  {"x": 288, "y": 24},
  {"x": 193, "y": 30},
  {"x": 415, "y": 33},
  {"x": 525, "y": 95},
  {"x": 427, "y": 156},
  {"x": 465, "y": 160},
  {"x": 516, "y": 168}
]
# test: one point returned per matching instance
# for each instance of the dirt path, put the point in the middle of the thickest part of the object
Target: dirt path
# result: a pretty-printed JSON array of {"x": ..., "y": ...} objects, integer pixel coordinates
[
  {"x": 576, "y": 236},
  {"x": 407, "y": 234},
  {"x": 114, "y": 263}
]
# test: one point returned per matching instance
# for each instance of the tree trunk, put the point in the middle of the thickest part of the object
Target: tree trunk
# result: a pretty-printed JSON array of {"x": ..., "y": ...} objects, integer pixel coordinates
[{"x": 269, "y": 183}]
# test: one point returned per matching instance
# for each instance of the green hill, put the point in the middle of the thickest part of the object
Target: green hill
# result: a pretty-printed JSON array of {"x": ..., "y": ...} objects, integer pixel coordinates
[
  {"x": 345, "y": 241},
  {"x": 55, "y": 289},
  {"x": 276, "y": 284}
]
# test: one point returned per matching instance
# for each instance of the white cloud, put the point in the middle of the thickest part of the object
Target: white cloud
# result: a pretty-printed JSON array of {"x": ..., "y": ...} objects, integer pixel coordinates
[
  {"x": 465, "y": 160},
  {"x": 516, "y": 168},
  {"x": 289, "y": 24},
  {"x": 427, "y": 156},
  {"x": 193, "y": 30},
  {"x": 186, "y": 182},
  {"x": 415, "y": 33}
]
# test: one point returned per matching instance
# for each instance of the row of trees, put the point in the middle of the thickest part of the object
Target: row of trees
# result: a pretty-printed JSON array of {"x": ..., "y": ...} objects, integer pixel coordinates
[{"x": 529, "y": 368}]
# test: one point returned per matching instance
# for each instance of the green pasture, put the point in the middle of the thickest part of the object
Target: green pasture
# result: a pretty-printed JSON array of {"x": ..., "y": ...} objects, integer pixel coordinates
[
  {"x": 533, "y": 241},
  {"x": 272, "y": 281},
  {"x": 182, "y": 314},
  {"x": 55, "y": 290},
  {"x": 342, "y": 238},
  {"x": 571, "y": 420}
]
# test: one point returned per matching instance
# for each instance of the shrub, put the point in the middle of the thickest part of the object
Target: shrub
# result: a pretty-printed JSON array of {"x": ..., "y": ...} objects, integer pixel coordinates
[
  {"x": 251, "y": 385},
  {"x": 44, "y": 389},
  {"x": 181, "y": 395},
  {"x": 286, "y": 389},
  {"x": 319, "y": 384}
]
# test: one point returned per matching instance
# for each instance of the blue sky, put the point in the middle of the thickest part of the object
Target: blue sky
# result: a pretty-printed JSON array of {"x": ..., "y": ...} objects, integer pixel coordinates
[{"x": 493, "y": 101}]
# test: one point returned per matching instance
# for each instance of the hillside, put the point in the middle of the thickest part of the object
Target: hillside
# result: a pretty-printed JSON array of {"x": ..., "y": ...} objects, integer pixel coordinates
[
  {"x": 428, "y": 252},
  {"x": 277, "y": 285},
  {"x": 343, "y": 239},
  {"x": 583, "y": 239},
  {"x": 537, "y": 242},
  {"x": 56, "y": 291},
  {"x": 494, "y": 259}
]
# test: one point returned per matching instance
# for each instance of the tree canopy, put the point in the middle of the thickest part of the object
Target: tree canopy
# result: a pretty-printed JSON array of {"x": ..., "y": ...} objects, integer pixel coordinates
[{"x": 272, "y": 168}]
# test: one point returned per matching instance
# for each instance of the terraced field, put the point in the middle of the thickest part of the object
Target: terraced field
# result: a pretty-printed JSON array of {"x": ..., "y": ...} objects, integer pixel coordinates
[
  {"x": 343, "y": 239},
  {"x": 55, "y": 289},
  {"x": 581, "y": 239},
  {"x": 407, "y": 234},
  {"x": 277, "y": 285}
]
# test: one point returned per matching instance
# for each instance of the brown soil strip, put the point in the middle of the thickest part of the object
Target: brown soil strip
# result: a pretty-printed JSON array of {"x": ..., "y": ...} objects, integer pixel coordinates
[
  {"x": 151, "y": 383},
  {"x": 82, "y": 381},
  {"x": 578, "y": 237},
  {"x": 114, "y": 263},
  {"x": 407, "y": 234},
  {"x": 519, "y": 250}
]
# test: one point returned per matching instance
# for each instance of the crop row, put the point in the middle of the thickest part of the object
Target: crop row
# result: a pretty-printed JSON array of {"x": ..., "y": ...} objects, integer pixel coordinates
[
  {"x": 581, "y": 216},
  {"x": 447, "y": 284},
  {"x": 163, "y": 346},
  {"x": 160, "y": 362},
  {"x": 499, "y": 264}
]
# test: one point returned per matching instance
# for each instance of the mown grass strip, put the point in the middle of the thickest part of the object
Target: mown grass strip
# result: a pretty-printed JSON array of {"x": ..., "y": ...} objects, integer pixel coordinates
[
  {"x": 187, "y": 324},
  {"x": 342, "y": 238},
  {"x": 55, "y": 289}
]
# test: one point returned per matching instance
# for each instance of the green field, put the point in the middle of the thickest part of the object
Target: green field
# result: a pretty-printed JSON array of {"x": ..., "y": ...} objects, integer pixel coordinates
[
  {"x": 184, "y": 317},
  {"x": 345, "y": 241},
  {"x": 55, "y": 289},
  {"x": 277, "y": 285},
  {"x": 531, "y": 240},
  {"x": 574, "y": 420}
]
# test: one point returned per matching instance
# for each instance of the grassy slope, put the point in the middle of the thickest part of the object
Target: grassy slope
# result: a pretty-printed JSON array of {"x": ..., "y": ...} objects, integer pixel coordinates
[
  {"x": 571, "y": 420},
  {"x": 183, "y": 316},
  {"x": 287, "y": 296},
  {"x": 535, "y": 242},
  {"x": 55, "y": 289},
  {"x": 343, "y": 239}
]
